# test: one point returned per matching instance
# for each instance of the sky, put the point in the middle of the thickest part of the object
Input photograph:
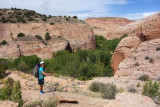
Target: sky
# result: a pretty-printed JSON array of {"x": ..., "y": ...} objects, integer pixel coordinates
[{"x": 131, "y": 9}]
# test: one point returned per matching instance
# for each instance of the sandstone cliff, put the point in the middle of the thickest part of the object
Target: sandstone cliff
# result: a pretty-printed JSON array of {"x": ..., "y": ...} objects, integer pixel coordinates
[
  {"x": 143, "y": 30},
  {"x": 149, "y": 26},
  {"x": 105, "y": 26},
  {"x": 76, "y": 35}
]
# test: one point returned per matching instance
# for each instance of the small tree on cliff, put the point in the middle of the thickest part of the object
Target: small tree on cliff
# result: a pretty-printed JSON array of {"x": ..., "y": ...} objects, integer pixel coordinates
[{"x": 47, "y": 36}]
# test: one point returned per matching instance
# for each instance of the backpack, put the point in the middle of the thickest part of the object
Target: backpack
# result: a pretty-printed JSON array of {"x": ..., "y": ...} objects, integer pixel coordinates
[{"x": 36, "y": 70}]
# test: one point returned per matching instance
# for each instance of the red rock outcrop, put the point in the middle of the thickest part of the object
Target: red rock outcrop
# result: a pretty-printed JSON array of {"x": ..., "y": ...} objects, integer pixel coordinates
[
  {"x": 145, "y": 29},
  {"x": 123, "y": 50},
  {"x": 104, "y": 26}
]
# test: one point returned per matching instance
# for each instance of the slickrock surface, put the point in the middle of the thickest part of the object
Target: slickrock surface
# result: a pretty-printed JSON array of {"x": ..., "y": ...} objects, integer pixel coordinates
[{"x": 126, "y": 99}]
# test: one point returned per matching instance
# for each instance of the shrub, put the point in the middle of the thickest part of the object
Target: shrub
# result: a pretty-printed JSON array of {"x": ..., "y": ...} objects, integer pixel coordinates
[
  {"x": 132, "y": 89},
  {"x": 75, "y": 17},
  {"x": 44, "y": 19},
  {"x": 52, "y": 23},
  {"x": 158, "y": 49},
  {"x": 11, "y": 91},
  {"x": 144, "y": 77},
  {"x": 22, "y": 66},
  {"x": 20, "y": 35},
  {"x": 38, "y": 37},
  {"x": 96, "y": 86},
  {"x": 146, "y": 58},
  {"x": 136, "y": 64},
  {"x": 108, "y": 91},
  {"x": 16, "y": 93},
  {"x": 26, "y": 63},
  {"x": 151, "y": 89},
  {"x": 151, "y": 60},
  {"x": 138, "y": 85},
  {"x": 2, "y": 70},
  {"x": 4, "y": 42},
  {"x": 47, "y": 36}
]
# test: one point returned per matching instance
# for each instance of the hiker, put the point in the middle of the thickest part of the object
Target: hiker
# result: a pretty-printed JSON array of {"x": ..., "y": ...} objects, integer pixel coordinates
[{"x": 41, "y": 76}]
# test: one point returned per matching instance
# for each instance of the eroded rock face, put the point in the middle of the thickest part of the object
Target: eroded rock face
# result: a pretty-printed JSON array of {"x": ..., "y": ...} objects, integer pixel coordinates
[
  {"x": 143, "y": 60},
  {"x": 8, "y": 104},
  {"x": 150, "y": 28},
  {"x": 9, "y": 50},
  {"x": 123, "y": 50},
  {"x": 103, "y": 26},
  {"x": 127, "y": 99},
  {"x": 34, "y": 47},
  {"x": 75, "y": 35},
  {"x": 78, "y": 35}
]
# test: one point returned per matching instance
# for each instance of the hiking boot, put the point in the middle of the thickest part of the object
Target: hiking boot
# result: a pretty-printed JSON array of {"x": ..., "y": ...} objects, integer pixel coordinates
[{"x": 41, "y": 92}]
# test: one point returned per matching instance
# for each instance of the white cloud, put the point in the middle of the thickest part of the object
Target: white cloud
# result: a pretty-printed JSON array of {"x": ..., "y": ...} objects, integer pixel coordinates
[
  {"x": 81, "y": 8},
  {"x": 139, "y": 15}
]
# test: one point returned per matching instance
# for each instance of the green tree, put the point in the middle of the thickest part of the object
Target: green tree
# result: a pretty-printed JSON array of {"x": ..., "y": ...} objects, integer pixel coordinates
[
  {"x": 47, "y": 36},
  {"x": 4, "y": 42},
  {"x": 20, "y": 35},
  {"x": 75, "y": 17},
  {"x": 38, "y": 37}
]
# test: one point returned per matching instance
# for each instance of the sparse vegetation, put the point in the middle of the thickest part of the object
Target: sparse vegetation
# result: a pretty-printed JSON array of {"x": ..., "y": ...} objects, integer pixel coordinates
[
  {"x": 49, "y": 103},
  {"x": 144, "y": 77},
  {"x": 11, "y": 91},
  {"x": 95, "y": 86},
  {"x": 108, "y": 91},
  {"x": 152, "y": 90},
  {"x": 20, "y": 35}
]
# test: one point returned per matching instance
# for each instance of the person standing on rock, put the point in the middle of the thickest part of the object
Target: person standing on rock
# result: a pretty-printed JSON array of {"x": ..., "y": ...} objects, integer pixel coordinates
[{"x": 41, "y": 76}]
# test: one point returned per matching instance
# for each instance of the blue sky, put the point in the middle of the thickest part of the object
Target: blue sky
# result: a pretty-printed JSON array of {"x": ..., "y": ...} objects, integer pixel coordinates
[{"x": 131, "y": 9}]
